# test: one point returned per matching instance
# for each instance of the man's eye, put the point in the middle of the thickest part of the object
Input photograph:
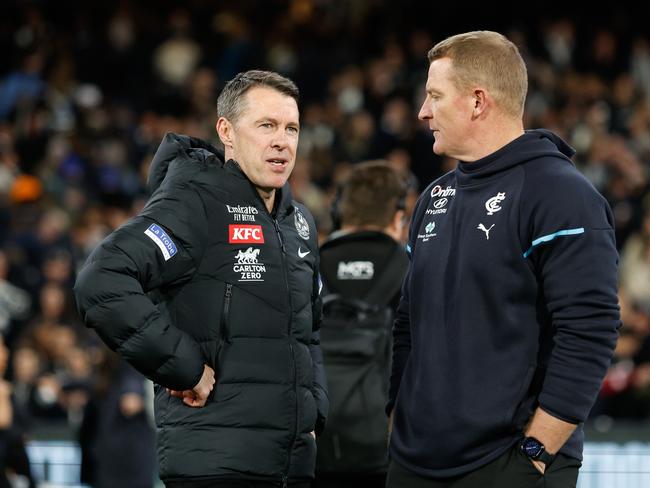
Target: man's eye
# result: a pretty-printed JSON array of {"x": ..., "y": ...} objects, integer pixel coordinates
[
  {"x": 266, "y": 125},
  {"x": 294, "y": 130}
]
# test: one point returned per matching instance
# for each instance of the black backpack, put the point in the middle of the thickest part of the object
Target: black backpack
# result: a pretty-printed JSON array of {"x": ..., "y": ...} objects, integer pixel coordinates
[{"x": 356, "y": 340}]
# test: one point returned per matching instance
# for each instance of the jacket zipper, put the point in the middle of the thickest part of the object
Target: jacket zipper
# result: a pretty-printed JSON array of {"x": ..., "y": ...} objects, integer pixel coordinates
[
  {"x": 284, "y": 250},
  {"x": 224, "y": 333},
  {"x": 285, "y": 477},
  {"x": 293, "y": 362}
]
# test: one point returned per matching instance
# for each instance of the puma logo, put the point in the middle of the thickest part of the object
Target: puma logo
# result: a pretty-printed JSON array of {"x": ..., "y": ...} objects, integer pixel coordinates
[{"x": 487, "y": 231}]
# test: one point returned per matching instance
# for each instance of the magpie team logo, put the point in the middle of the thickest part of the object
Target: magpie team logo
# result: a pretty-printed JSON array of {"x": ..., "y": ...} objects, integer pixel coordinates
[
  {"x": 492, "y": 204},
  {"x": 248, "y": 266},
  {"x": 301, "y": 225}
]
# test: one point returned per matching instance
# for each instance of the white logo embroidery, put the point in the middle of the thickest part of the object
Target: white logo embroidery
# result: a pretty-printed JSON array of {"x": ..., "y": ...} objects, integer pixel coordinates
[
  {"x": 355, "y": 270},
  {"x": 301, "y": 225},
  {"x": 248, "y": 266},
  {"x": 242, "y": 213},
  {"x": 302, "y": 254},
  {"x": 247, "y": 256},
  {"x": 492, "y": 205},
  {"x": 440, "y": 203},
  {"x": 487, "y": 231},
  {"x": 438, "y": 191},
  {"x": 428, "y": 232}
]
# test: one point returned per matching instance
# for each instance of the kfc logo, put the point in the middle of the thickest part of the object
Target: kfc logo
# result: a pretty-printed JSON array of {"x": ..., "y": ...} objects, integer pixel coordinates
[{"x": 245, "y": 234}]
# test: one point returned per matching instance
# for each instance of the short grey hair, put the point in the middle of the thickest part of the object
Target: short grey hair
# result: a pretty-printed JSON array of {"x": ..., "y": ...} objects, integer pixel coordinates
[{"x": 230, "y": 103}]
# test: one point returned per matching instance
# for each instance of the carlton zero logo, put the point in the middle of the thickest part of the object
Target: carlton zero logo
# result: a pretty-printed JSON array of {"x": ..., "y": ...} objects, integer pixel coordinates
[
  {"x": 248, "y": 265},
  {"x": 245, "y": 234}
]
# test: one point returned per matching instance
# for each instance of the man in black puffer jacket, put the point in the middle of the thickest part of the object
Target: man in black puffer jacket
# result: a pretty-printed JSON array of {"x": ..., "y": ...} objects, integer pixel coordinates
[{"x": 217, "y": 279}]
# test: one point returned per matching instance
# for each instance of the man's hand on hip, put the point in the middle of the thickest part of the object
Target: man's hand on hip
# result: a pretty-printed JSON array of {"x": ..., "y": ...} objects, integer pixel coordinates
[{"x": 197, "y": 396}]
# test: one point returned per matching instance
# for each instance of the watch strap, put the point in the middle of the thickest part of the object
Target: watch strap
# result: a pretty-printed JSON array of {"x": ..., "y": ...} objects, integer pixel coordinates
[{"x": 546, "y": 458}]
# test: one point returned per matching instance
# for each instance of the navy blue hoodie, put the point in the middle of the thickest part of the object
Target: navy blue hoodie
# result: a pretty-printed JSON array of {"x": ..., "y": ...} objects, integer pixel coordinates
[{"x": 510, "y": 303}]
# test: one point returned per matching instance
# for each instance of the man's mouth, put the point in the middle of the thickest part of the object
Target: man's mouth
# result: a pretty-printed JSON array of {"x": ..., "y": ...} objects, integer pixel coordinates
[
  {"x": 277, "y": 161},
  {"x": 278, "y": 164}
]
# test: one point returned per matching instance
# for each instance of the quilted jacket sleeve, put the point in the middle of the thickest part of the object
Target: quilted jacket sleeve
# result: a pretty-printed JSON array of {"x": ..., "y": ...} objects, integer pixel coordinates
[{"x": 156, "y": 250}]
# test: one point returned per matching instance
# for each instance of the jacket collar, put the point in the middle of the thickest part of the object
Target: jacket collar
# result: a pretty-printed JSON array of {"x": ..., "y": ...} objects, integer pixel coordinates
[{"x": 283, "y": 199}]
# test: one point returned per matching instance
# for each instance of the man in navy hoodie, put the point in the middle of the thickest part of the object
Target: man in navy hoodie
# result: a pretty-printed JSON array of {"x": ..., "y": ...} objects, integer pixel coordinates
[{"x": 509, "y": 312}]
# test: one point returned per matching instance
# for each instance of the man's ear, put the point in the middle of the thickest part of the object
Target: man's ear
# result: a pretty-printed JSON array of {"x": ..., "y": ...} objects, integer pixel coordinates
[
  {"x": 397, "y": 224},
  {"x": 225, "y": 131},
  {"x": 482, "y": 103}
]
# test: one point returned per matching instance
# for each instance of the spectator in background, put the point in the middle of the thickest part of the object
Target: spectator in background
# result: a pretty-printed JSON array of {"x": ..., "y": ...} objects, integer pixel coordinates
[
  {"x": 364, "y": 260},
  {"x": 14, "y": 302},
  {"x": 116, "y": 436},
  {"x": 27, "y": 367},
  {"x": 14, "y": 464},
  {"x": 177, "y": 57},
  {"x": 635, "y": 267},
  {"x": 22, "y": 89}
]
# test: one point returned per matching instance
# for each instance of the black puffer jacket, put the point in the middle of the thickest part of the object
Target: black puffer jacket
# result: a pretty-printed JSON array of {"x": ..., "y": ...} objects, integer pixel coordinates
[{"x": 206, "y": 275}]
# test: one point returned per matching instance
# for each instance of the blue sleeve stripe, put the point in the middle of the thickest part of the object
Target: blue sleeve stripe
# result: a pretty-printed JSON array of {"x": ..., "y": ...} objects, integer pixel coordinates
[{"x": 550, "y": 237}]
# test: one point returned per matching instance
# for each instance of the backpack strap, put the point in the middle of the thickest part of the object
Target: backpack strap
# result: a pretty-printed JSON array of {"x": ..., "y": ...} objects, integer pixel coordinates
[{"x": 390, "y": 279}]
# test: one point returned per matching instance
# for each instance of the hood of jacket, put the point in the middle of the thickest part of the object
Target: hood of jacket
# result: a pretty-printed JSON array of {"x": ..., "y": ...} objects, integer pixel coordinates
[{"x": 185, "y": 149}]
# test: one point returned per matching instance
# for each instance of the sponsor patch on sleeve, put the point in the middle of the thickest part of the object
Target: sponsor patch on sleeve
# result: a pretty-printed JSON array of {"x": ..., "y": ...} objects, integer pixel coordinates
[{"x": 162, "y": 240}]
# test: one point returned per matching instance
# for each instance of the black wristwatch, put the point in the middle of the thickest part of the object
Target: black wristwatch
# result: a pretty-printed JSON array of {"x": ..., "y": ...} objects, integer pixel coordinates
[{"x": 533, "y": 449}]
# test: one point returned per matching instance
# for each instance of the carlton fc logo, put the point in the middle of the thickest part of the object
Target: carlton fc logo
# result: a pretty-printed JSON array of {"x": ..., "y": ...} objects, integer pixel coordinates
[
  {"x": 301, "y": 225},
  {"x": 492, "y": 205}
]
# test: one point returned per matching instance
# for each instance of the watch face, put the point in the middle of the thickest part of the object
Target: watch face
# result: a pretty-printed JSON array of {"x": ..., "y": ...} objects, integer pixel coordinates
[{"x": 532, "y": 447}]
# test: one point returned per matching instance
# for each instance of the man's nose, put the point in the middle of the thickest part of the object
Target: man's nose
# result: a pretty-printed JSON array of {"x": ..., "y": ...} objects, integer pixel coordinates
[
  {"x": 280, "y": 140},
  {"x": 425, "y": 112}
]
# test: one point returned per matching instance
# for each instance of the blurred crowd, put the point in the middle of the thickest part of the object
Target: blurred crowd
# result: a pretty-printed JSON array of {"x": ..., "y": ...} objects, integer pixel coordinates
[{"x": 88, "y": 91}]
